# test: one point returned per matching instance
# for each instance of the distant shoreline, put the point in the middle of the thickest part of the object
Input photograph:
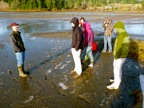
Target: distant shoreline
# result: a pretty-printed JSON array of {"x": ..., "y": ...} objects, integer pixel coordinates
[
  {"x": 72, "y": 10},
  {"x": 96, "y": 16}
]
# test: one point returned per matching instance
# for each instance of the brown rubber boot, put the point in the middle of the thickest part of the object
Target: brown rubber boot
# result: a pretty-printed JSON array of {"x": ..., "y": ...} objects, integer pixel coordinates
[{"x": 21, "y": 72}]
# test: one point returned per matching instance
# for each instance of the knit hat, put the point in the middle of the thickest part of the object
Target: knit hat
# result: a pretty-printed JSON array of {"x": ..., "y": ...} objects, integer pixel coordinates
[{"x": 119, "y": 24}]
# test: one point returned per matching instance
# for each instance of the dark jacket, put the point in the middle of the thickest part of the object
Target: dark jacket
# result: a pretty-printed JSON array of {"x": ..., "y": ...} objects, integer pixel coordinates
[
  {"x": 77, "y": 35},
  {"x": 16, "y": 41}
]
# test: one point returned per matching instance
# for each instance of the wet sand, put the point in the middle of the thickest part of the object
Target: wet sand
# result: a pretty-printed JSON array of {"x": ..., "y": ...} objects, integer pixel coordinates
[
  {"x": 62, "y": 34},
  {"x": 49, "y": 60}
]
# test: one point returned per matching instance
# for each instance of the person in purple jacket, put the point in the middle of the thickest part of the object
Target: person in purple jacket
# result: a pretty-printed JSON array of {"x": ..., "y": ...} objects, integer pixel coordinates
[{"x": 87, "y": 43}]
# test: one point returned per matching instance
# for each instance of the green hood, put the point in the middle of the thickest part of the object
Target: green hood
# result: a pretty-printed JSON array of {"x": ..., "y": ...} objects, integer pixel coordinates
[{"x": 119, "y": 24}]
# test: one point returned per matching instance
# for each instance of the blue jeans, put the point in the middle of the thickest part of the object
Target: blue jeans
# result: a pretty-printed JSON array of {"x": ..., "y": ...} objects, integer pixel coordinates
[
  {"x": 107, "y": 39},
  {"x": 89, "y": 51},
  {"x": 20, "y": 56}
]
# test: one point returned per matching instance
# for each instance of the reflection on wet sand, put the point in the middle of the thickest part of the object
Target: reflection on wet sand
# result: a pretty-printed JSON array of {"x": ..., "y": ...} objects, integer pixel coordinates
[{"x": 24, "y": 85}]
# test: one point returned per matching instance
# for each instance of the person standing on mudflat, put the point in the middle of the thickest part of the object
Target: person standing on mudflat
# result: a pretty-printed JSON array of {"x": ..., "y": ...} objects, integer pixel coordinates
[
  {"x": 19, "y": 49},
  {"x": 76, "y": 46},
  {"x": 88, "y": 42},
  {"x": 121, "y": 49},
  {"x": 82, "y": 23},
  {"x": 108, "y": 29}
]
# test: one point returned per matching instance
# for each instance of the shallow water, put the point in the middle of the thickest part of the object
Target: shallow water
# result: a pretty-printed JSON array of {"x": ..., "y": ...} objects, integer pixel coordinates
[{"x": 54, "y": 26}]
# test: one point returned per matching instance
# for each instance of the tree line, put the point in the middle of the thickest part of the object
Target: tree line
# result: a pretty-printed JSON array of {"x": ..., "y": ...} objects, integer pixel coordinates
[{"x": 64, "y": 4}]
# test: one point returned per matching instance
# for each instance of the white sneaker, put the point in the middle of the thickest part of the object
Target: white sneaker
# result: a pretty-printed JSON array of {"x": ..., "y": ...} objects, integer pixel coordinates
[
  {"x": 112, "y": 87},
  {"x": 103, "y": 51},
  {"x": 72, "y": 72},
  {"x": 91, "y": 65},
  {"x": 76, "y": 76},
  {"x": 111, "y": 80},
  {"x": 109, "y": 52}
]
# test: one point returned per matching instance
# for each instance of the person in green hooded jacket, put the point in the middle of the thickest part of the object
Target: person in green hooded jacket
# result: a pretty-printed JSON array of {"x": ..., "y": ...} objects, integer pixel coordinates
[{"x": 121, "y": 49}]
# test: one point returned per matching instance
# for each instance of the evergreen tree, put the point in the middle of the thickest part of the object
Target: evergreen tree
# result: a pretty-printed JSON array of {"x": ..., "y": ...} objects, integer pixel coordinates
[
  {"x": 39, "y": 4},
  {"x": 48, "y": 4},
  {"x": 66, "y": 4}
]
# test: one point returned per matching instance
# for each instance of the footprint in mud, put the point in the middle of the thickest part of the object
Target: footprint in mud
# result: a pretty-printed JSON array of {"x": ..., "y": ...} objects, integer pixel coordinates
[
  {"x": 102, "y": 102},
  {"x": 63, "y": 66},
  {"x": 48, "y": 55},
  {"x": 68, "y": 55},
  {"x": 10, "y": 71},
  {"x": 64, "y": 87},
  {"x": 61, "y": 84},
  {"x": 46, "y": 76},
  {"x": 65, "y": 78},
  {"x": 58, "y": 65},
  {"x": 14, "y": 79},
  {"x": 1, "y": 73},
  {"x": 29, "y": 99},
  {"x": 49, "y": 71},
  {"x": 69, "y": 61},
  {"x": 81, "y": 97},
  {"x": 106, "y": 100}
]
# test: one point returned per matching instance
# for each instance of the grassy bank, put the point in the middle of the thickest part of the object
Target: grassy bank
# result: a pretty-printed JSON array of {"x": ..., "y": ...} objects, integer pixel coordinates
[{"x": 70, "y": 10}]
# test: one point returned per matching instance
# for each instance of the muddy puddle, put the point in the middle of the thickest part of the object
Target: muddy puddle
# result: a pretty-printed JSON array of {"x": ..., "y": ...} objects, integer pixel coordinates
[{"x": 49, "y": 61}]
